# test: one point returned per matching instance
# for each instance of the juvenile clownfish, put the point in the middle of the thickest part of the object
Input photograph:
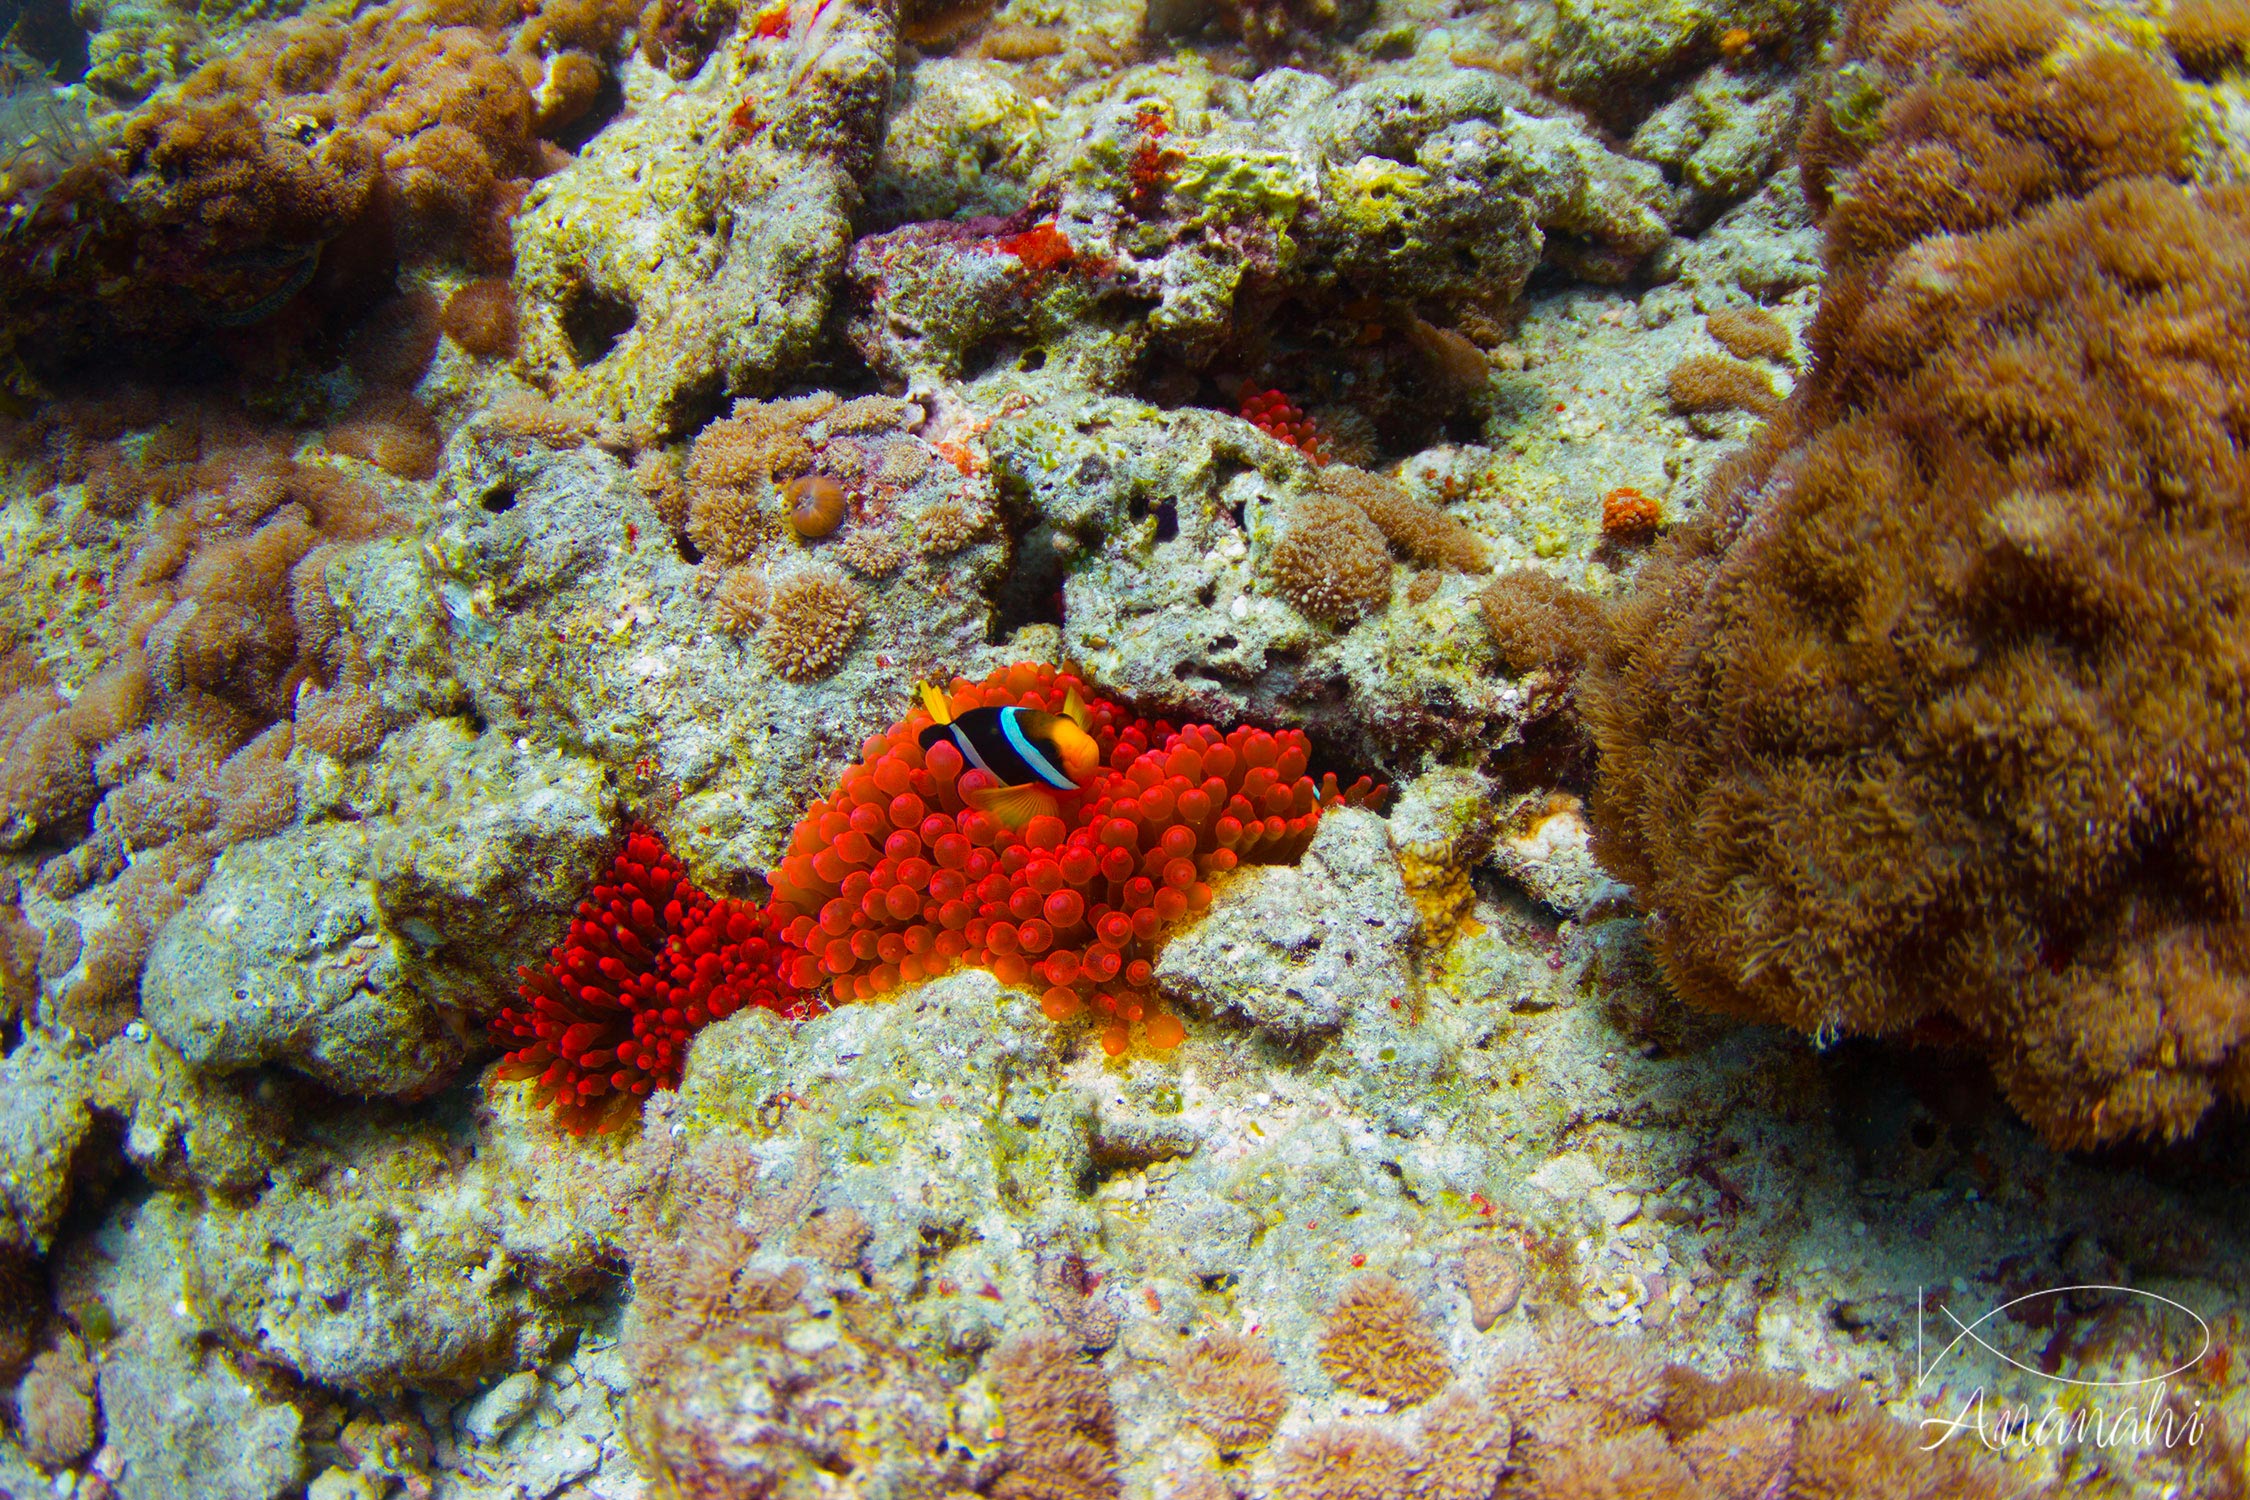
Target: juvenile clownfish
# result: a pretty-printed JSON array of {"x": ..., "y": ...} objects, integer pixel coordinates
[{"x": 1032, "y": 754}]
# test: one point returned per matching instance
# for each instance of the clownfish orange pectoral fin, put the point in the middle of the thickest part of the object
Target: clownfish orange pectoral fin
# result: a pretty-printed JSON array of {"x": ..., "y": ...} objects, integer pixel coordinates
[
  {"x": 1074, "y": 709},
  {"x": 940, "y": 711},
  {"x": 1013, "y": 806}
]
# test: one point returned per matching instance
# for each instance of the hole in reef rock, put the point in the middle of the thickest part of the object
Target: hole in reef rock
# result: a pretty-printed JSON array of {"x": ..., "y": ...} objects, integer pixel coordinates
[
  {"x": 978, "y": 359},
  {"x": 46, "y": 31},
  {"x": 1032, "y": 593},
  {"x": 594, "y": 321},
  {"x": 499, "y": 500},
  {"x": 1167, "y": 514},
  {"x": 689, "y": 552},
  {"x": 607, "y": 106}
]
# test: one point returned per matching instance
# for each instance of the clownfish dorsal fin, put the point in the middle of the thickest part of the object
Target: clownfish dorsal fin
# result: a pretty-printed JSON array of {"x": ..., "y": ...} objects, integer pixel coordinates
[
  {"x": 1074, "y": 709},
  {"x": 1012, "y": 806},
  {"x": 940, "y": 711}
]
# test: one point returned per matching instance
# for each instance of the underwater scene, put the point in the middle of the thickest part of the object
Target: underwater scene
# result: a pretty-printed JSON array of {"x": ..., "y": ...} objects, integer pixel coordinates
[{"x": 1124, "y": 749}]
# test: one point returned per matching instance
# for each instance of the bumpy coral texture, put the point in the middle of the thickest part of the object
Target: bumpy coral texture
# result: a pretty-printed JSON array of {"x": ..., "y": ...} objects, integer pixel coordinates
[
  {"x": 648, "y": 961},
  {"x": 1331, "y": 561},
  {"x": 1377, "y": 1342},
  {"x": 1939, "y": 718},
  {"x": 1232, "y": 1387},
  {"x": 178, "y": 745},
  {"x": 895, "y": 878},
  {"x": 413, "y": 128},
  {"x": 1590, "y": 1415}
]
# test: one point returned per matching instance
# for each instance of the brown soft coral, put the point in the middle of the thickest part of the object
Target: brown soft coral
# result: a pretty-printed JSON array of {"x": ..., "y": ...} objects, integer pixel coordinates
[
  {"x": 1232, "y": 1388},
  {"x": 1939, "y": 713},
  {"x": 1062, "y": 1429},
  {"x": 1331, "y": 561},
  {"x": 812, "y": 618},
  {"x": 1751, "y": 333},
  {"x": 298, "y": 168},
  {"x": 1593, "y": 1416},
  {"x": 2209, "y": 37},
  {"x": 1537, "y": 622},
  {"x": 480, "y": 316},
  {"x": 1417, "y": 528},
  {"x": 1375, "y": 1341},
  {"x": 1711, "y": 382},
  {"x": 46, "y": 769},
  {"x": 734, "y": 467},
  {"x": 391, "y": 430}
]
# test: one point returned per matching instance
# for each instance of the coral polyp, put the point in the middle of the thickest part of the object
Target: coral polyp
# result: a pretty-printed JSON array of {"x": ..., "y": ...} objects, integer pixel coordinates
[
  {"x": 896, "y": 878},
  {"x": 648, "y": 961}
]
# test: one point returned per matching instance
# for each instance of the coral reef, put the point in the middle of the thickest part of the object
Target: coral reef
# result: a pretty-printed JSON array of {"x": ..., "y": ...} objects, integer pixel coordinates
[
  {"x": 753, "y": 236},
  {"x": 1959, "y": 666},
  {"x": 412, "y": 130}
]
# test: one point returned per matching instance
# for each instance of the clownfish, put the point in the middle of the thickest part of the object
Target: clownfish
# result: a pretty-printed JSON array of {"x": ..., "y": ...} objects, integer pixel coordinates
[{"x": 1032, "y": 754}]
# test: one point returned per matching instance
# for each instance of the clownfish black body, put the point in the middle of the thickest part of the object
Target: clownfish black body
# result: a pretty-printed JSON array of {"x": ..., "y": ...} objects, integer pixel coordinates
[{"x": 1035, "y": 756}]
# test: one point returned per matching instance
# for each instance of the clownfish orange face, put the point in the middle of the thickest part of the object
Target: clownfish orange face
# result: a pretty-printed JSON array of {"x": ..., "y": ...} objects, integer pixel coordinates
[{"x": 1076, "y": 749}]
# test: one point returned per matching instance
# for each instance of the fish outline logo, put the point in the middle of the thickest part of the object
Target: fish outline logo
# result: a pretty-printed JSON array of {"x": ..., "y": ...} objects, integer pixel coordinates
[{"x": 1924, "y": 1367}]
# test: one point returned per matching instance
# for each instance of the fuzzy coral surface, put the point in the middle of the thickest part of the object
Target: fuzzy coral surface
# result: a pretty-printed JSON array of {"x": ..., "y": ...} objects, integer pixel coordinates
[{"x": 1936, "y": 718}]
